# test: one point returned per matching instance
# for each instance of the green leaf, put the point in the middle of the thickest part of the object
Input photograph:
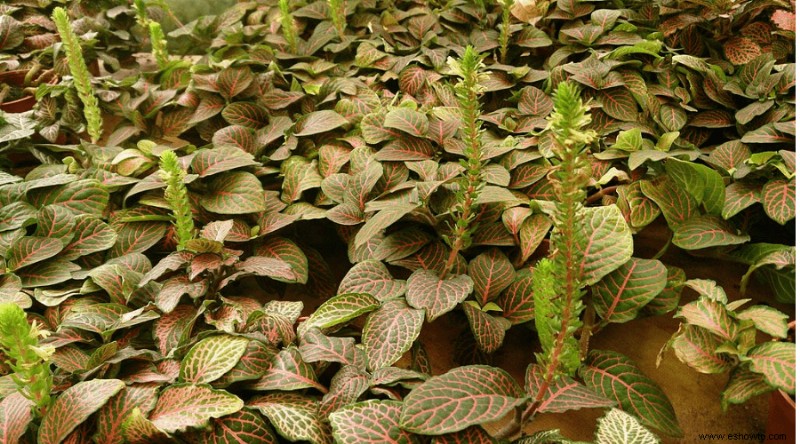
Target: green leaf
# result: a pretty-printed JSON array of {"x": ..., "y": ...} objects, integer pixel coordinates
[
  {"x": 489, "y": 331},
  {"x": 372, "y": 421},
  {"x": 21, "y": 214},
  {"x": 609, "y": 242},
  {"x": 182, "y": 406},
  {"x": 517, "y": 301},
  {"x": 672, "y": 117},
  {"x": 207, "y": 162},
  {"x": 766, "y": 319},
  {"x": 703, "y": 184},
  {"x": 236, "y": 136},
  {"x": 234, "y": 193},
  {"x": 675, "y": 202},
  {"x": 776, "y": 361},
  {"x": 15, "y": 415},
  {"x": 242, "y": 427},
  {"x": 246, "y": 114},
  {"x": 382, "y": 220},
  {"x": 91, "y": 235},
  {"x": 620, "y": 295},
  {"x": 338, "y": 310},
  {"x": 753, "y": 110},
  {"x": 618, "y": 427},
  {"x": 532, "y": 233},
  {"x": 390, "y": 332},
  {"x": 473, "y": 395},
  {"x": 299, "y": 175},
  {"x": 534, "y": 102},
  {"x": 491, "y": 273},
  {"x": 111, "y": 416},
  {"x": 86, "y": 196},
  {"x": 710, "y": 315},
  {"x": 470, "y": 435},
  {"x": 288, "y": 252},
  {"x": 743, "y": 385},
  {"x": 406, "y": 148},
  {"x": 318, "y": 122},
  {"x": 74, "y": 406},
  {"x": 618, "y": 103},
  {"x": 408, "y": 121},
  {"x": 29, "y": 250},
  {"x": 616, "y": 377},
  {"x": 696, "y": 347},
  {"x": 778, "y": 197},
  {"x": 45, "y": 274},
  {"x": 11, "y": 33},
  {"x": 738, "y": 196},
  {"x": 287, "y": 371},
  {"x": 563, "y": 393},
  {"x": 234, "y": 80},
  {"x": 137, "y": 429},
  {"x": 705, "y": 231},
  {"x": 316, "y": 347},
  {"x": 211, "y": 358},
  {"x": 294, "y": 416},
  {"x": 437, "y": 296},
  {"x": 630, "y": 140},
  {"x": 372, "y": 277}
]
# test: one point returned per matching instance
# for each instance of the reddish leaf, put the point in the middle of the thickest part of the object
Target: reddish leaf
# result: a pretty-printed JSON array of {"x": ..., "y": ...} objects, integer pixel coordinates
[
  {"x": 246, "y": 114},
  {"x": 741, "y": 50},
  {"x": 232, "y": 81},
  {"x": 74, "y": 406},
  {"x": 778, "y": 197},
  {"x": 534, "y": 102},
  {"x": 563, "y": 393},
  {"x": 15, "y": 415},
  {"x": 618, "y": 103}
]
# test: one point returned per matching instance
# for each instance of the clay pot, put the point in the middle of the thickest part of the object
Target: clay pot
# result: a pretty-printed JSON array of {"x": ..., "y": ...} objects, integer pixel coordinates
[
  {"x": 17, "y": 78},
  {"x": 781, "y": 419}
]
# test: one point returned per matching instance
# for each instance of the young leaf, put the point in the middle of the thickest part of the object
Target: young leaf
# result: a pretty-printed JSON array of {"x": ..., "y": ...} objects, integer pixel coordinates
[
  {"x": 475, "y": 394},
  {"x": 211, "y": 358},
  {"x": 390, "y": 332},
  {"x": 182, "y": 406},
  {"x": 710, "y": 315},
  {"x": 437, "y": 296},
  {"x": 373, "y": 421},
  {"x": 616, "y": 377},
  {"x": 74, "y": 406},
  {"x": 620, "y": 295}
]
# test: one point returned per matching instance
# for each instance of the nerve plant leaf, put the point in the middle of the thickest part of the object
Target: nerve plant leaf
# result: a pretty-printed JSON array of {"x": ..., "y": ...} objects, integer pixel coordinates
[
  {"x": 74, "y": 406},
  {"x": 295, "y": 417},
  {"x": 373, "y": 421},
  {"x": 211, "y": 358},
  {"x": 234, "y": 193},
  {"x": 390, "y": 332},
  {"x": 777, "y": 362},
  {"x": 462, "y": 397},
  {"x": 620, "y": 295},
  {"x": 182, "y": 406},
  {"x": 338, "y": 310},
  {"x": 29, "y": 250},
  {"x": 616, "y": 377},
  {"x": 242, "y": 427},
  {"x": 372, "y": 277},
  {"x": 618, "y": 427},
  {"x": 563, "y": 393},
  {"x": 15, "y": 415},
  {"x": 426, "y": 290}
]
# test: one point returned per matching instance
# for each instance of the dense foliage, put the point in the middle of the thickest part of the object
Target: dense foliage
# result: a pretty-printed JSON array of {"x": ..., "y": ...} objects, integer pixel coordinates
[{"x": 239, "y": 230}]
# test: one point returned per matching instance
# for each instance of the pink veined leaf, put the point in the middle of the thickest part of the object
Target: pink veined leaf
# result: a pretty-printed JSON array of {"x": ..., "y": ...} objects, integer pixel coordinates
[
  {"x": 220, "y": 159},
  {"x": 316, "y": 347},
  {"x": 710, "y": 315},
  {"x": 705, "y": 231},
  {"x": 236, "y": 136},
  {"x": 233, "y": 80},
  {"x": 616, "y": 377},
  {"x": 488, "y": 331},
  {"x": 491, "y": 273},
  {"x": 741, "y": 50},
  {"x": 743, "y": 385},
  {"x": 212, "y": 357},
  {"x": 476, "y": 394},
  {"x": 15, "y": 415},
  {"x": 74, "y": 406},
  {"x": 288, "y": 252},
  {"x": 620, "y": 295},
  {"x": 111, "y": 416},
  {"x": 91, "y": 235},
  {"x": 318, "y": 122},
  {"x": 338, "y": 310},
  {"x": 347, "y": 385},
  {"x": 563, "y": 394},
  {"x": 517, "y": 300},
  {"x": 182, "y": 406},
  {"x": 373, "y": 278},
  {"x": 437, "y": 296},
  {"x": 294, "y": 416},
  {"x": 779, "y": 199},
  {"x": 738, "y": 196},
  {"x": 390, "y": 332},
  {"x": 534, "y": 102},
  {"x": 288, "y": 371},
  {"x": 29, "y": 250},
  {"x": 618, "y": 103},
  {"x": 695, "y": 347},
  {"x": 246, "y": 114},
  {"x": 412, "y": 78},
  {"x": 470, "y": 435},
  {"x": 777, "y": 362},
  {"x": 372, "y": 421},
  {"x": 242, "y": 427},
  {"x": 785, "y": 20}
]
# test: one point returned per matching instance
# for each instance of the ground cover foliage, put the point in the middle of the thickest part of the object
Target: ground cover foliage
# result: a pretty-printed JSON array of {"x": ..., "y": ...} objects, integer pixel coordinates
[{"x": 241, "y": 235}]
